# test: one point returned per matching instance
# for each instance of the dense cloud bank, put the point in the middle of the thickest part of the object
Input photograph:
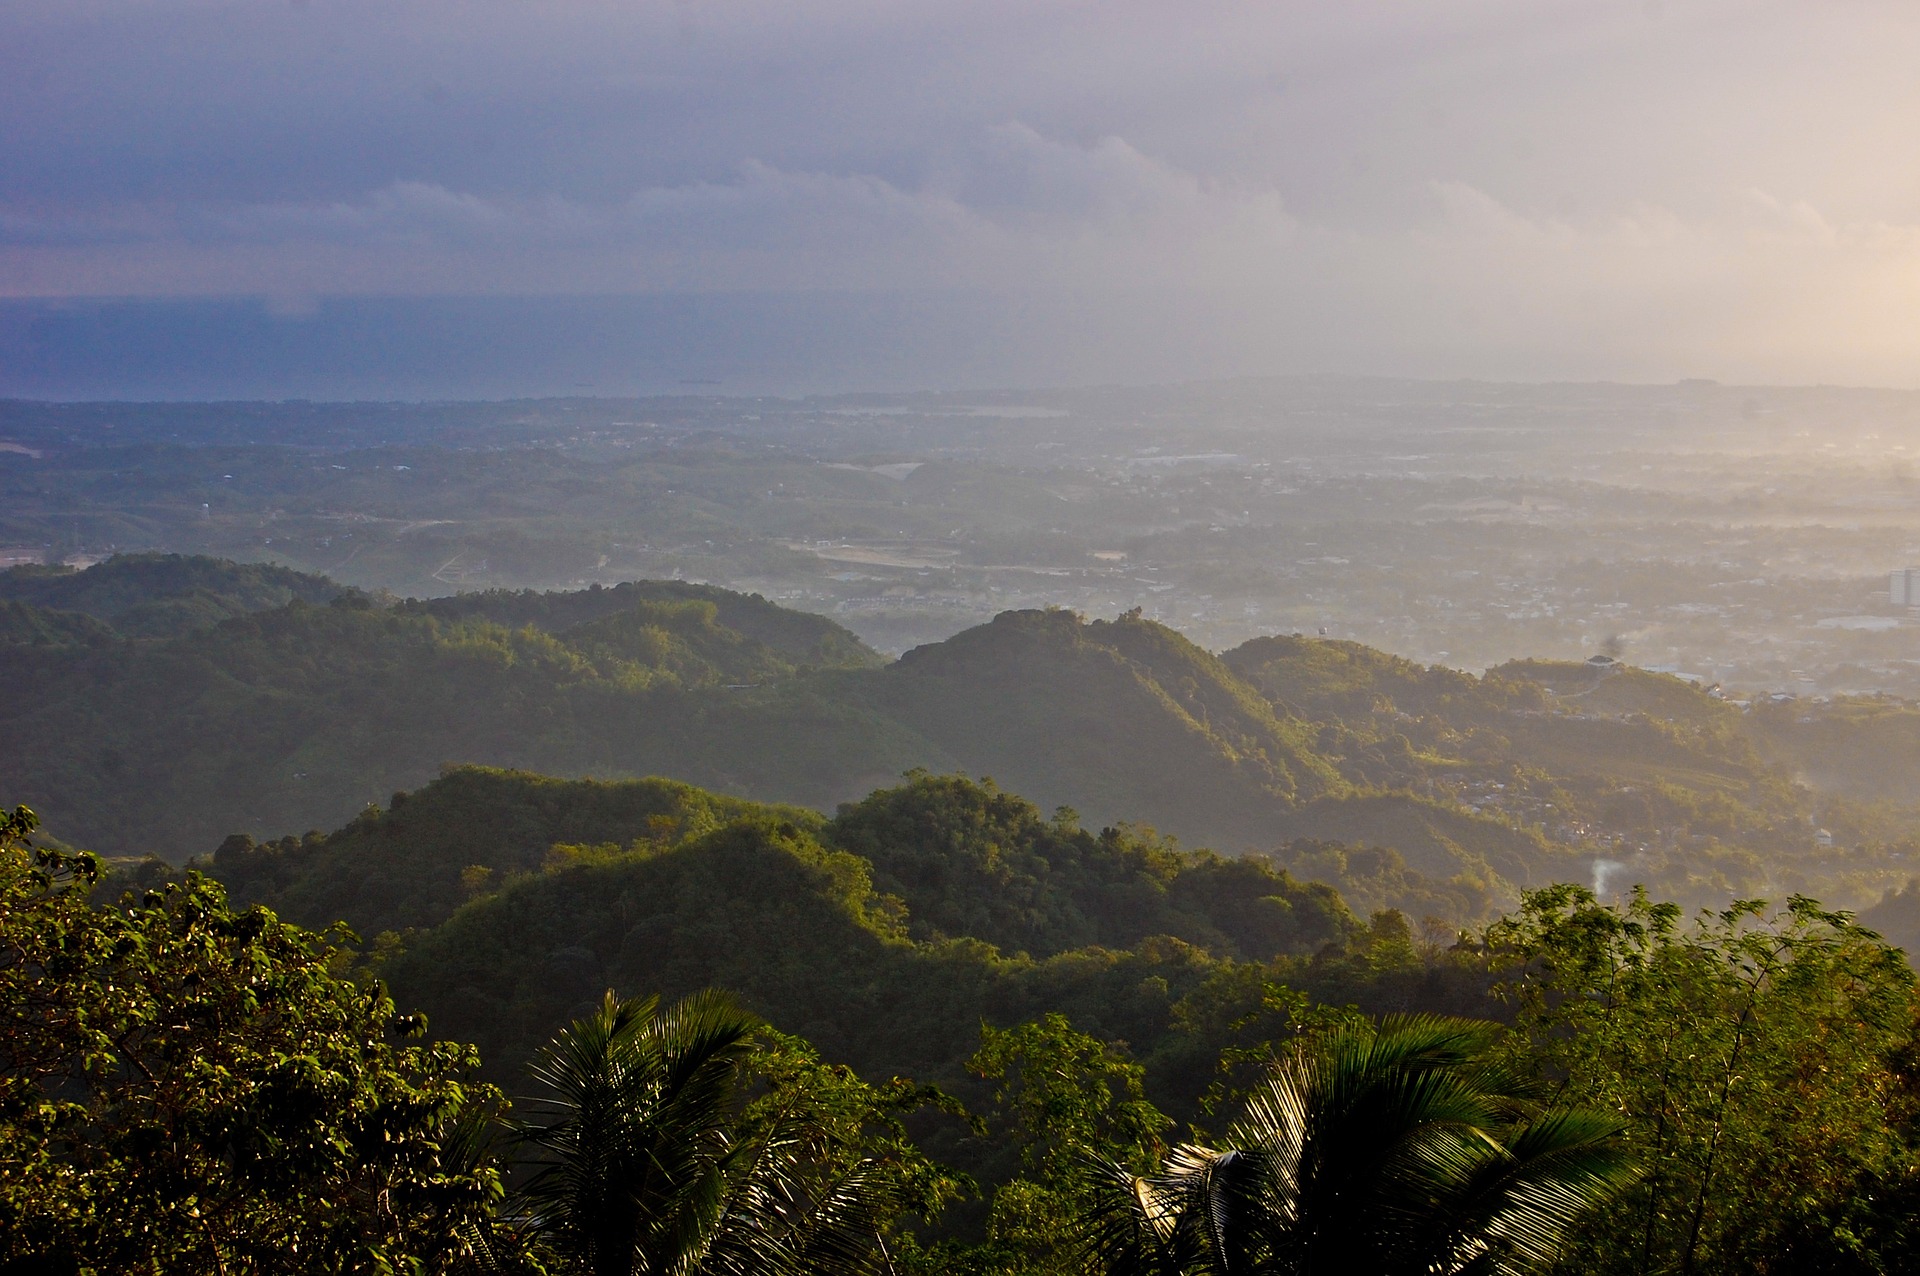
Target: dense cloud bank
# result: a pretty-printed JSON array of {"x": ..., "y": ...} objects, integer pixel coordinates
[{"x": 1571, "y": 189}]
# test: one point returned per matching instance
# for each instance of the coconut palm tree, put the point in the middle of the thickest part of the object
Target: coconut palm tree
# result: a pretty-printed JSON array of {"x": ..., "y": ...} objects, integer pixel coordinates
[
  {"x": 1384, "y": 1151},
  {"x": 646, "y": 1167}
]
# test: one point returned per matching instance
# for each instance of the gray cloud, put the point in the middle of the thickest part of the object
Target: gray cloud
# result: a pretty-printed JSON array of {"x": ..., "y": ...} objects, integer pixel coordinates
[{"x": 1485, "y": 187}]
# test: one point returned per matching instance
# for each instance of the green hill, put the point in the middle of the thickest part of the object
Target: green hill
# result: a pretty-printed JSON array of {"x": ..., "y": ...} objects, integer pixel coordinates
[
  {"x": 762, "y": 908},
  {"x": 886, "y": 963},
  {"x": 1670, "y": 785},
  {"x": 1439, "y": 840},
  {"x": 25, "y": 625},
  {"x": 1619, "y": 689},
  {"x": 963, "y": 859},
  {"x": 1322, "y": 679},
  {"x": 163, "y": 595},
  {"x": 1120, "y": 719},
  {"x": 299, "y": 716},
  {"x": 799, "y": 637},
  {"x": 464, "y": 834}
]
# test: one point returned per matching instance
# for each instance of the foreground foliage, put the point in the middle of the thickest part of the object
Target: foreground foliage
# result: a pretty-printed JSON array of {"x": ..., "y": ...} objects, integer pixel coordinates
[
  {"x": 186, "y": 1088},
  {"x": 654, "y": 1165},
  {"x": 188, "y": 1085},
  {"x": 1767, "y": 1065},
  {"x": 1401, "y": 1149},
  {"x": 1067, "y": 1102}
]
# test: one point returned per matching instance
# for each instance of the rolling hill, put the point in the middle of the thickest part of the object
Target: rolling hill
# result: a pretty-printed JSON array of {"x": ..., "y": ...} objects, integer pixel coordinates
[
  {"x": 1456, "y": 790},
  {"x": 885, "y": 934},
  {"x": 163, "y": 595}
]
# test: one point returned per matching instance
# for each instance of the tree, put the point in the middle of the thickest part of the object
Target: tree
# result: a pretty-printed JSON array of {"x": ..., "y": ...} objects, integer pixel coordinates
[
  {"x": 1396, "y": 1149},
  {"x": 659, "y": 1161},
  {"x": 187, "y": 1088},
  {"x": 863, "y": 1129},
  {"x": 1766, "y": 1064},
  {"x": 1069, "y": 1101}
]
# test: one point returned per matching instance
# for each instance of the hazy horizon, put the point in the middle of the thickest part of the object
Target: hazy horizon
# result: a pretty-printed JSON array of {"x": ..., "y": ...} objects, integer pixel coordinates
[
  {"x": 336, "y": 199},
  {"x": 438, "y": 349}
]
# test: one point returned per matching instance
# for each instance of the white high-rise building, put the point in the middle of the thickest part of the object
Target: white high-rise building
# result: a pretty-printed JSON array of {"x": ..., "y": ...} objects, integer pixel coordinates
[{"x": 1903, "y": 587}]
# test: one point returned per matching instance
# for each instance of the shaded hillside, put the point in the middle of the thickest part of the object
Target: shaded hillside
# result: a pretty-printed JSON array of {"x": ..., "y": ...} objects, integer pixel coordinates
[
  {"x": 799, "y": 637},
  {"x": 1646, "y": 773},
  {"x": 465, "y": 834},
  {"x": 968, "y": 859},
  {"x": 789, "y": 912},
  {"x": 962, "y": 859},
  {"x": 762, "y": 908},
  {"x": 298, "y": 717},
  {"x": 1438, "y": 840},
  {"x": 25, "y": 625},
  {"x": 1897, "y": 918},
  {"x": 163, "y": 595},
  {"x": 1866, "y": 747},
  {"x": 1120, "y": 719}
]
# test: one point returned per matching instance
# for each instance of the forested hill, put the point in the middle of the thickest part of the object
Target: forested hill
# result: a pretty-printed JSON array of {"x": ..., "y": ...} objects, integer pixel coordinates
[
  {"x": 1422, "y": 788},
  {"x": 964, "y": 859},
  {"x": 160, "y": 595},
  {"x": 800, "y": 637},
  {"x": 885, "y": 934},
  {"x": 299, "y": 716}
]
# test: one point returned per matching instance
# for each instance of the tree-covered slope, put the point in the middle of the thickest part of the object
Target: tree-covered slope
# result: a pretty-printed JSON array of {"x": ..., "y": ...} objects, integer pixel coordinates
[
  {"x": 1656, "y": 778},
  {"x": 1120, "y": 719},
  {"x": 783, "y": 923},
  {"x": 25, "y": 625},
  {"x": 757, "y": 906},
  {"x": 788, "y": 912},
  {"x": 162, "y": 595},
  {"x": 800, "y": 638},
  {"x": 472, "y": 829},
  {"x": 963, "y": 859},
  {"x": 297, "y": 717},
  {"x": 1438, "y": 839},
  {"x": 1330, "y": 679},
  {"x": 968, "y": 859}
]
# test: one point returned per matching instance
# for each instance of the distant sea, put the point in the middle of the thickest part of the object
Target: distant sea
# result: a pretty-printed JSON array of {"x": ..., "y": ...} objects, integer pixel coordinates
[{"x": 510, "y": 347}]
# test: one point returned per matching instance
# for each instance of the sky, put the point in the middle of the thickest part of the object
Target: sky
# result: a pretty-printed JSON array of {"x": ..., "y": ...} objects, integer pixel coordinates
[{"x": 836, "y": 193}]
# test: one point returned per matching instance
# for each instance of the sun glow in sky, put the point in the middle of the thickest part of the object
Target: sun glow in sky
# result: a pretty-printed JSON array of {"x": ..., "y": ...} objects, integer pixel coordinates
[{"x": 1531, "y": 189}]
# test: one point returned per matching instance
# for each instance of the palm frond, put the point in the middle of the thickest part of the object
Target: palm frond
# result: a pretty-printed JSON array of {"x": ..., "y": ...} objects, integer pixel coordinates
[
  {"x": 1137, "y": 1227},
  {"x": 1404, "y": 1148}
]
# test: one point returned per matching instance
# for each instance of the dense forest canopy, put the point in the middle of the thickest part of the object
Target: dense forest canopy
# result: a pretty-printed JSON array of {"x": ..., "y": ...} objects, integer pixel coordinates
[
  {"x": 957, "y": 1032},
  {"x": 273, "y": 702}
]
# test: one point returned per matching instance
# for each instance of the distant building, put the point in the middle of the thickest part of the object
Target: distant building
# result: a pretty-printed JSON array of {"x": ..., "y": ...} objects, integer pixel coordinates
[{"x": 1903, "y": 587}]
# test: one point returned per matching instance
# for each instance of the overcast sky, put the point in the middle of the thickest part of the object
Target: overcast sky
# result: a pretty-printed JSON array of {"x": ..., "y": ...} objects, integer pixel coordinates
[{"x": 1554, "y": 188}]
